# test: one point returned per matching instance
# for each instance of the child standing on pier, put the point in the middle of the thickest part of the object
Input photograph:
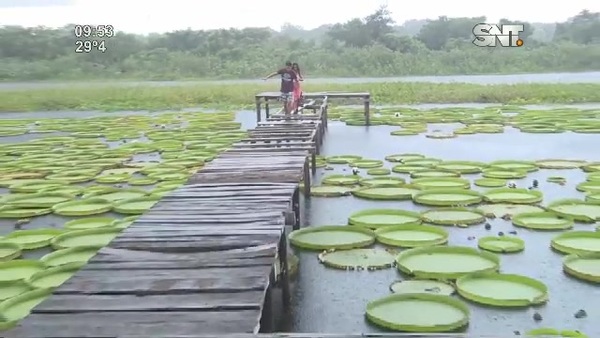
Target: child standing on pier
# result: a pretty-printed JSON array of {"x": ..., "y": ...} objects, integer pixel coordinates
[
  {"x": 297, "y": 89},
  {"x": 288, "y": 77}
]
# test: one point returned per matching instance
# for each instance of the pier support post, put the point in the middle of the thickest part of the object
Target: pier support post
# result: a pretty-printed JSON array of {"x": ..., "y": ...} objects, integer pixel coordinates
[
  {"x": 267, "y": 322},
  {"x": 267, "y": 114},
  {"x": 296, "y": 208},
  {"x": 284, "y": 274},
  {"x": 367, "y": 103},
  {"x": 258, "y": 110},
  {"x": 306, "y": 178},
  {"x": 313, "y": 159}
]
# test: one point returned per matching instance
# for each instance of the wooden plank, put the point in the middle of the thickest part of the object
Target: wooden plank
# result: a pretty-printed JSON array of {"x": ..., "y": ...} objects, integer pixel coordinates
[
  {"x": 143, "y": 324},
  {"x": 192, "y": 244}
]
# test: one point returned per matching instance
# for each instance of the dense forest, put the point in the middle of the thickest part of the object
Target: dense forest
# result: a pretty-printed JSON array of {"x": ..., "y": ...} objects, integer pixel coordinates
[{"x": 370, "y": 46}]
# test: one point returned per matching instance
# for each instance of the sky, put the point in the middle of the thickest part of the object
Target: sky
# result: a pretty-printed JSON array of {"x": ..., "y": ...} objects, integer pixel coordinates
[{"x": 143, "y": 17}]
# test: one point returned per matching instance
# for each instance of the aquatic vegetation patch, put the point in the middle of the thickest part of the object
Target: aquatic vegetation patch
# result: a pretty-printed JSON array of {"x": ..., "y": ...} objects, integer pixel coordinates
[
  {"x": 331, "y": 237},
  {"x": 502, "y": 290}
]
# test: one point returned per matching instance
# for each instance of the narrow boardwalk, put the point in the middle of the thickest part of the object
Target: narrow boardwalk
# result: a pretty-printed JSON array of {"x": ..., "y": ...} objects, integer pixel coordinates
[{"x": 202, "y": 259}]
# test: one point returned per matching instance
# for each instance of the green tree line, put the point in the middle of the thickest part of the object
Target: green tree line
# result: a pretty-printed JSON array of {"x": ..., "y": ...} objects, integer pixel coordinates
[{"x": 370, "y": 46}]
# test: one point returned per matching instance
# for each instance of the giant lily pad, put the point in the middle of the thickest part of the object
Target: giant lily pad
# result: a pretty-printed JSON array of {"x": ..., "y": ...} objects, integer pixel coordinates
[
  {"x": 80, "y": 254},
  {"x": 559, "y": 164},
  {"x": 97, "y": 238},
  {"x": 490, "y": 182},
  {"x": 89, "y": 223},
  {"x": 442, "y": 183},
  {"x": 445, "y": 262},
  {"x": 364, "y": 163},
  {"x": 501, "y": 244},
  {"x": 14, "y": 309},
  {"x": 411, "y": 235},
  {"x": 585, "y": 267},
  {"x": 589, "y": 186},
  {"x": 515, "y": 165},
  {"x": 503, "y": 290},
  {"x": 342, "y": 159},
  {"x": 135, "y": 206},
  {"x": 9, "y": 251},
  {"x": 397, "y": 193},
  {"x": 83, "y": 207},
  {"x": 11, "y": 289},
  {"x": 515, "y": 196},
  {"x": 358, "y": 259},
  {"x": 463, "y": 167},
  {"x": 404, "y": 312},
  {"x": 38, "y": 200},
  {"x": 502, "y": 209},
  {"x": 382, "y": 182},
  {"x": 403, "y": 157},
  {"x": 377, "y": 218},
  {"x": 433, "y": 174},
  {"x": 54, "y": 276},
  {"x": 422, "y": 286},
  {"x": 447, "y": 197},
  {"x": 503, "y": 173},
  {"x": 32, "y": 239},
  {"x": 37, "y": 185},
  {"x": 19, "y": 269},
  {"x": 330, "y": 191},
  {"x": 453, "y": 216},
  {"x": 116, "y": 194},
  {"x": 341, "y": 179},
  {"x": 407, "y": 168},
  {"x": 331, "y": 237},
  {"x": 577, "y": 242},
  {"x": 577, "y": 210},
  {"x": 542, "y": 221},
  {"x": 10, "y": 211}
]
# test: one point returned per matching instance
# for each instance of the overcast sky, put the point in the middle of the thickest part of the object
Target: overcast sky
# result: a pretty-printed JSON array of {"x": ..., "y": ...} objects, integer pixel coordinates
[{"x": 137, "y": 16}]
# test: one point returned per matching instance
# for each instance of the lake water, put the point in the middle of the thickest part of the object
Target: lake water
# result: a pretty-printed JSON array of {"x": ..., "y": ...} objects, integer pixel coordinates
[{"x": 584, "y": 77}]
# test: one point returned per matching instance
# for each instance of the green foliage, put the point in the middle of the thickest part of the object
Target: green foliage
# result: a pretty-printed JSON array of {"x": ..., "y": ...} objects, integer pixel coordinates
[
  {"x": 112, "y": 98},
  {"x": 371, "y": 46}
]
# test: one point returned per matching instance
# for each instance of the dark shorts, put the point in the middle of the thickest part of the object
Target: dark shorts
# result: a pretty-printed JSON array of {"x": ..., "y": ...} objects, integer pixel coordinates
[{"x": 287, "y": 97}]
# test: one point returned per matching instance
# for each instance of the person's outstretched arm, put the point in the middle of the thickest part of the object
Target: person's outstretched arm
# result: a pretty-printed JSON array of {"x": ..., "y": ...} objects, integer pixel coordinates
[{"x": 271, "y": 75}]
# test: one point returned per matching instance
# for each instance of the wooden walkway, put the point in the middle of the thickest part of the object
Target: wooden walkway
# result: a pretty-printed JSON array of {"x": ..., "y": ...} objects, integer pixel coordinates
[{"x": 201, "y": 261}]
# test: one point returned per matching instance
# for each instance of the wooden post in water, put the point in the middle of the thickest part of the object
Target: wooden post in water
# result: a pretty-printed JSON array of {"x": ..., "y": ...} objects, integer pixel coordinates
[
  {"x": 258, "y": 109},
  {"x": 367, "y": 103},
  {"x": 266, "y": 108},
  {"x": 296, "y": 208},
  {"x": 267, "y": 322},
  {"x": 284, "y": 273}
]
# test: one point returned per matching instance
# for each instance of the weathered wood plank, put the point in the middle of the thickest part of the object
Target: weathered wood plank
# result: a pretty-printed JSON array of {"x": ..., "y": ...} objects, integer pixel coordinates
[{"x": 143, "y": 324}]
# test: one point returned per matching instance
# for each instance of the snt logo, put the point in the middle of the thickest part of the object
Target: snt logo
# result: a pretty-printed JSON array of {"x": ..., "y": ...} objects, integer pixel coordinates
[{"x": 486, "y": 35}]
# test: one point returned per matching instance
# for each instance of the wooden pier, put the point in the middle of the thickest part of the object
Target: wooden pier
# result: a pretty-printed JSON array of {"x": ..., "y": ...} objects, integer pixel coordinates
[{"x": 202, "y": 260}]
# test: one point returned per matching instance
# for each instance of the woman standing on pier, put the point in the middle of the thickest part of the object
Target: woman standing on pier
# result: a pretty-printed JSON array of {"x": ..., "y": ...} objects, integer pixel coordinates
[{"x": 297, "y": 90}]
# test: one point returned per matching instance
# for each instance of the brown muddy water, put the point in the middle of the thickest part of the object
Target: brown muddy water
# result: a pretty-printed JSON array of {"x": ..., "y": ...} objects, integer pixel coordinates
[{"x": 333, "y": 301}]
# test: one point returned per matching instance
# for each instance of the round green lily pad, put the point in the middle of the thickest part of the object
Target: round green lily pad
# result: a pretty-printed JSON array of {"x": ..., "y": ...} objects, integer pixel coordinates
[
  {"x": 503, "y": 173},
  {"x": 577, "y": 242},
  {"x": 342, "y": 159},
  {"x": 89, "y": 223},
  {"x": 168, "y": 176},
  {"x": 559, "y": 164},
  {"x": 589, "y": 186},
  {"x": 83, "y": 207},
  {"x": 515, "y": 196},
  {"x": 358, "y": 259},
  {"x": 425, "y": 162},
  {"x": 447, "y": 197},
  {"x": 404, "y": 312},
  {"x": 453, "y": 216},
  {"x": 142, "y": 181},
  {"x": 32, "y": 239},
  {"x": 19, "y": 269},
  {"x": 502, "y": 209},
  {"x": 526, "y": 166},
  {"x": 442, "y": 183},
  {"x": 111, "y": 179},
  {"x": 80, "y": 254},
  {"x": 54, "y": 276},
  {"x": 331, "y": 237},
  {"x": 501, "y": 244},
  {"x": 125, "y": 222},
  {"x": 462, "y": 167},
  {"x": 14, "y": 309},
  {"x": 433, "y": 174},
  {"x": 542, "y": 221},
  {"x": 364, "y": 163},
  {"x": 382, "y": 182},
  {"x": 584, "y": 267},
  {"x": 591, "y": 167},
  {"x": 490, "y": 182},
  {"x": 593, "y": 198},
  {"x": 341, "y": 180},
  {"x": 33, "y": 186},
  {"x": 503, "y": 290},
  {"x": 577, "y": 210},
  {"x": 403, "y": 157},
  {"x": 445, "y": 262},
  {"x": 422, "y": 286},
  {"x": 377, "y": 218},
  {"x": 12, "y": 289},
  {"x": 556, "y": 179},
  {"x": 9, "y": 251},
  {"x": 135, "y": 206},
  {"x": 330, "y": 191},
  {"x": 379, "y": 171},
  {"x": 116, "y": 194},
  {"x": 38, "y": 200},
  {"x": 10, "y": 211},
  {"x": 550, "y": 332},
  {"x": 407, "y": 168},
  {"x": 397, "y": 193},
  {"x": 98, "y": 238},
  {"x": 411, "y": 235}
]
